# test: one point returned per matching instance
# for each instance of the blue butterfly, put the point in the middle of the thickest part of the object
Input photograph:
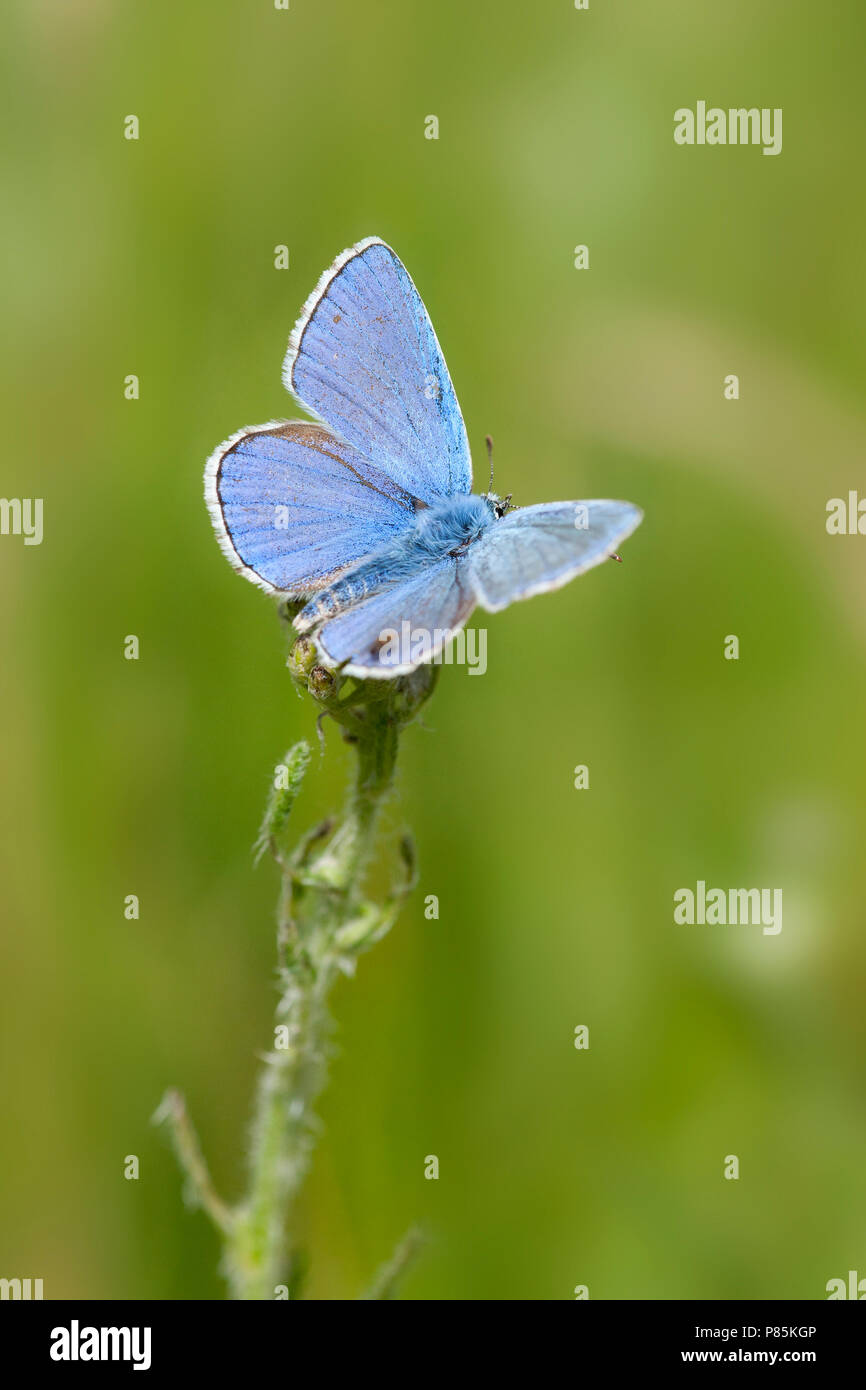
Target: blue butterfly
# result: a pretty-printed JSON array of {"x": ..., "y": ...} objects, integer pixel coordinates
[{"x": 368, "y": 513}]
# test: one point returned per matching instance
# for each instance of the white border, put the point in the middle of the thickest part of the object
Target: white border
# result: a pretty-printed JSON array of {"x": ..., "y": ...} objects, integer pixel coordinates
[
  {"x": 214, "y": 505},
  {"x": 311, "y": 304}
]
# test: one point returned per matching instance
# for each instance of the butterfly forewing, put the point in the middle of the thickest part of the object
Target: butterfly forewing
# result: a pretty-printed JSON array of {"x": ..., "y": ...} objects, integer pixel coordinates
[
  {"x": 293, "y": 506},
  {"x": 364, "y": 358}
]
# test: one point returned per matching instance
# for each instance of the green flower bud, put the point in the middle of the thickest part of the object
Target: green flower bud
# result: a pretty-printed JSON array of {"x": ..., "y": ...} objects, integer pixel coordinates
[{"x": 302, "y": 658}]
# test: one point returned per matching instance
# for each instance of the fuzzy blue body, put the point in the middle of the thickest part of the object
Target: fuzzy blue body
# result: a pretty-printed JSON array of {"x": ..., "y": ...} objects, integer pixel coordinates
[{"x": 440, "y": 532}]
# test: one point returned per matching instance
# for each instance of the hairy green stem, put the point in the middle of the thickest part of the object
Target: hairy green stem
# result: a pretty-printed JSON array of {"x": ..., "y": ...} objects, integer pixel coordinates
[
  {"x": 384, "y": 1285},
  {"x": 323, "y": 923},
  {"x": 200, "y": 1190},
  {"x": 319, "y": 899}
]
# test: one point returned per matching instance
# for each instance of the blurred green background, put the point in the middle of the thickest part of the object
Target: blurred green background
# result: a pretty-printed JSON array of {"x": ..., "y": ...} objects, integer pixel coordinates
[{"x": 155, "y": 257}]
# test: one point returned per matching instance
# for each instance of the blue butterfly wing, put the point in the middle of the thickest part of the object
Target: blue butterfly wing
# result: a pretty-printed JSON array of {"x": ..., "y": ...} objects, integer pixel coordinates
[
  {"x": 363, "y": 357},
  {"x": 433, "y": 603},
  {"x": 293, "y": 507},
  {"x": 534, "y": 549}
]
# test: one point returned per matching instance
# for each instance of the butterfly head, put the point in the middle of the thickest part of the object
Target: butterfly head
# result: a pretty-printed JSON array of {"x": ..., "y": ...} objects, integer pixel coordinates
[{"x": 498, "y": 505}]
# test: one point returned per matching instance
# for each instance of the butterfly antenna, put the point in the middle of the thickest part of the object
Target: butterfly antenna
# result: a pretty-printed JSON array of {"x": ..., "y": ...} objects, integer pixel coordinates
[{"x": 489, "y": 442}]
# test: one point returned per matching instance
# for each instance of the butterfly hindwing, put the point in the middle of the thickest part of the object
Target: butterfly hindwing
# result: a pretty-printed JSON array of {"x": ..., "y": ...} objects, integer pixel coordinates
[
  {"x": 410, "y": 621},
  {"x": 293, "y": 506},
  {"x": 533, "y": 549},
  {"x": 364, "y": 358}
]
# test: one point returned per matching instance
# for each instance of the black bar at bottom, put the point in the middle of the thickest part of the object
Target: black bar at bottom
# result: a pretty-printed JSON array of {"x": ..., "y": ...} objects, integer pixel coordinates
[{"x": 70, "y": 1338}]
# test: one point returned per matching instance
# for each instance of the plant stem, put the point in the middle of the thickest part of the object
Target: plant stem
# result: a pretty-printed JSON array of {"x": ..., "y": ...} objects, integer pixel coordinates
[
  {"x": 318, "y": 899},
  {"x": 200, "y": 1188},
  {"x": 323, "y": 924},
  {"x": 388, "y": 1277}
]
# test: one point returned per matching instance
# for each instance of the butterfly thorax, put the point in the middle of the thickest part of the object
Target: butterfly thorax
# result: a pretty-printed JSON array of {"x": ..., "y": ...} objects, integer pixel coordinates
[
  {"x": 442, "y": 530},
  {"x": 450, "y": 526}
]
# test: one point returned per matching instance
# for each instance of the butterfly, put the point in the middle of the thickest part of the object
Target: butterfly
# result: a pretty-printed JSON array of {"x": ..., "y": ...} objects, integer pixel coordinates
[{"x": 366, "y": 513}]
